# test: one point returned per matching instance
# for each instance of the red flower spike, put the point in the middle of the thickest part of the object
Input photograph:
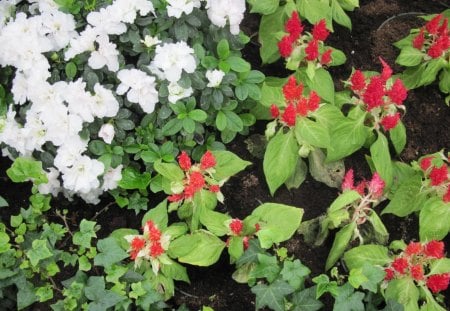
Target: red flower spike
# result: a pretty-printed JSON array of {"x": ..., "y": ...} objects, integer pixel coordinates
[
  {"x": 133, "y": 254},
  {"x": 387, "y": 70},
  {"x": 285, "y": 46},
  {"x": 189, "y": 191},
  {"x": 417, "y": 272},
  {"x": 302, "y": 107},
  {"x": 137, "y": 244},
  {"x": 358, "y": 81},
  {"x": 360, "y": 187},
  {"x": 446, "y": 197},
  {"x": 413, "y": 248},
  {"x": 291, "y": 90},
  {"x": 320, "y": 31},
  {"x": 348, "y": 182},
  {"x": 325, "y": 59},
  {"x": 443, "y": 30},
  {"x": 373, "y": 96},
  {"x": 400, "y": 265},
  {"x": 433, "y": 25},
  {"x": 425, "y": 163},
  {"x": 274, "y": 111},
  {"x": 154, "y": 234},
  {"x": 436, "y": 49},
  {"x": 207, "y": 161},
  {"x": 376, "y": 185},
  {"x": 312, "y": 50},
  {"x": 389, "y": 274},
  {"x": 419, "y": 40},
  {"x": 294, "y": 26},
  {"x": 214, "y": 188},
  {"x": 156, "y": 249},
  {"x": 236, "y": 226},
  {"x": 398, "y": 92},
  {"x": 438, "y": 282},
  {"x": 184, "y": 161},
  {"x": 289, "y": 115},
  {"x": 313, "y": 101},
  {"x": 175, "y": 197},
  {"x": 245, "y": 242},
  {"x": 390, "y": 121},
  {"x": 434, "y": 249},
  {"x": 438, "y": 175},
  {"x": 196, "y": 180}
]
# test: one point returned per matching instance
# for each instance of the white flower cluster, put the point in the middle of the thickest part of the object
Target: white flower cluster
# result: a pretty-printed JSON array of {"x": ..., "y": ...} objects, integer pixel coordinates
[{"x": 221, "y": 11}]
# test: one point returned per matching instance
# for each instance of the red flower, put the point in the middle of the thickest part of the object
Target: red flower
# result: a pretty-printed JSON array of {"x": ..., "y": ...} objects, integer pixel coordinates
[
  {"x": 417, "y": 272},
  {"x": 348, "y": 183},
  {"x": 156, "y": 249},
  {"x": 433, "y": 25},
  {"x": 400, "y": 265},
  {"x": 136, "y": 245},
  {"x": 438, "y": 175},
  {"x": 436, "y": 49},
  {"x": 289, "y": 115},
  {"x": 313, "y": 101},
  {"x": 214, "y": 188},
  {"x": 438, "y": 282},
  {"x": 373, "y": 96},
  {"x": 236, "y": 226},
  {"x": 154, "y": 234},
  {"x": 175, "y": 197},
  {"x": 294, "y": 26},
  {"x": 434, "y": 249},
  {"x": 425, "y": 163},
  {"x": 291, "y": 90},
  {"x": 398, "y": 92},
  {"x": 320, "y": 31},
  {"x": 285, "y": 46},
  {"x": 446, "y": 197},
  {"x": 302, "y": 107},
  {"x": 312, "y": 50},
  {"x": 413, "y": 248},
  {"x": 387, "y": 71},
  {"x": 358, "y": 81},
  {"x": 376, "y": 185},
  {"x": 245, "y": 241},
  {"x": 389, "y": 274},
  {"x": 419, "y": 40},
  {"x": 274, "y": 111},
  {"x": 207, "y": 161},
  {"x": 443, "y": 30},
  {"x": 390, "y": 121},
  {"x": 325, "y": 59},
  {"x": 184, "y": 161},
  {"x": 196, "y": 180}
]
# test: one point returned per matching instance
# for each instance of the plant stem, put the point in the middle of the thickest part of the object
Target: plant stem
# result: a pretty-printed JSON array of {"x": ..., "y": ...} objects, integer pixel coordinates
[
  {"x": 102, "y": 210},
  {"x": 184, "y": 293}
]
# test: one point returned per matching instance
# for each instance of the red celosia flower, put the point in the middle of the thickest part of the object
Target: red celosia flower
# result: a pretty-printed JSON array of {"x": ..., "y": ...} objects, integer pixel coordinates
[
  {"x": 376, "y": 185},
  {"x": 153, "y": 232},
  {"x": 436, "y": 49},
  {"x": 294, "y": 26},
  {"x": 389, "y": 274},
  {"x": 358, "y": 81},
  {"x": 137, "y": 243},
  {"x": 325, "y": 59},
  {"x": 207, "y": 161},
  {"x": 417, "y": 272},
  {"x": 360, "y": 187},
  {"x": 274, "y": 111},
  {"x": 438, "y": 282},
  {"x": 175, "y": 197},
  {"x": 373, "y": 95},
  {"x": 419, "y": 40},
  {"x": 400, "y": 265},
  {"x": 320, "y": 31},
  {"x": 214, "y": 188},
  {"x": 285, "y": 46},
  {"x": 245, "y": 242},
  {"x": 156, "y": 249},
  {"x": 236, "y": 226},
  {"x": 196, "y": 180},
  {"x": 390, "y": 121},
  {"x": 387, "y": 70},
  {"x": 425, "y": 163},
  {"x": 348, "y": 182},
  {"x": 189, "y": 191},
  {"x": 398, "y": 92},
  {"x": 312, "y": 50},
  {"x": 433, "y": 25},
  {"x": 184, "y": 161},
  {"x": 413, "y": 248},
  {"x": 302, "y": 107},
  {"x": 289, "y": 115},
  {"x": 438, "y": 175},
  {"x": 443, "y": 30},
  {"x": 291, "y": 90},
  {"x": 434, "y": 249},
  {"x": 313, "y": 101},
  {"x": 446, "y": 197}
]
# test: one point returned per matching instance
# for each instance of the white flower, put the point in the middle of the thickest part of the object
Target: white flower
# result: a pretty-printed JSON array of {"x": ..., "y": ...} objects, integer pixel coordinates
[
  {"x": 219, "y": 11},
  {"x": 178, "y": 7},
  {"x": 79, "y": 101},
  {"x": 104, "y": 104},
  {"x": 214, "y": 77},
  {"x": 176, "y": 92},
  {"x": 150, "y": 41},
  {"x": 82, "y": 176},
  {"x": 68, "y": 153},
  {"x": 53, "y": 186},
  {"x": 107, "y": 54},
  {"x": 92, "y": 197},
  {"x": 112, "y": 177},
  {"x": 140, "y": 88},
  {"x": 172, "y": 59},
  {"x": 82, "y": 43},
  {"x": 107, "y": 133},
  {"x": 105, "y": 23},
  {"x": 58, "y": 27}
]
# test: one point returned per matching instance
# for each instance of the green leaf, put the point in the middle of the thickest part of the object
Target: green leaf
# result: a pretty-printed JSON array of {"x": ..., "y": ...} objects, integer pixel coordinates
[
  {"x": 71, "y": 70},
  {"x": 84, "y": 263},
  {"x": 272, "y": 93},
  {"x": 431, "y": 70},
  {"x": 404, "y": 291},
  {"x": 340, "y": 243},
  {"x": 223, "y": 49},
  {"x": 200, "y": 248},
  {"x": 264, "y": 7},
  {"x": 227, "y": 164},
  {"x": 254, "y": 76},
  {"x": 214, "y": 221},
  {"x": 38, "y": 252},
  {"x": 25, "y": 169},
  {"x": 312, "y": 133},
  {"x": 221, "y": 120},
  {"x": 3, "y": 202},
  {"x": 272, "y": 295},
  {"x": 440, "y": 266},
  {"x": 398, "y": 137},
  {"x": 280, "y": 159},
  {"x": 86, "y": 233},
  {"x": 409, "y": 57},
  {"x": 323, "y": 84},
  {"x": 306, "y": 300},
  {"x": 368, "y": 277},
  {"x": 404, "y": 199},
  {"x": 269, "y": 25},
  {"x": 234, "y": 123},
  {"x": 25, "y": 293},
  {"x": 189, "y": 125},
  {"x": 344, "y": 199},
  {"x": 315, "y": 10},
  {"x": 433, "y": 220},
  {"x": 372, "y": 254},
  {"x": 132, "y": 179},
  {"x": 101, "y": 299},
  {"x": 339, "y": 16},
  {"x": 381, "y": 158},
  {"x": 238, "y": 64},
  {"x": 158, "y": 215},
  {"x": 235, "y": 247},
  {"x": 331, "y": 173},
  {"x": 197, "y": 115},
  {"x": 267, "y": 267},
  {"x": 175, "y": 271},
  {"x": 172, "y": 127},
  {"x": 295, "y": 273},
  {"x": 378, "y": 225},
  {"x": 299, "y": 175},
  {"x": 170, "y": 171},
  {"x": 348, "y": 299},
  {"x": 110, "y": 253},
  {"x": 241, "y": 92}
]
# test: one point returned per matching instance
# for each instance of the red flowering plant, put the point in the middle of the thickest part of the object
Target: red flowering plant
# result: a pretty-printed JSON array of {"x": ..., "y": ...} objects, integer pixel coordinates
[
  {"x": 350, "y": 212},
  {"x": 424, "y": 188},
  {"x": 415, "y": 277},
  {"x": 299, "y": 130},
  {"x": 426, "y": 54}
]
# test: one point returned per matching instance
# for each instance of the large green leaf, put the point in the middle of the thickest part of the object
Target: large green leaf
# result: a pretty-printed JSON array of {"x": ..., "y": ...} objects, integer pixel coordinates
[
  {"x": 306, "y": 300},
  {"x": 344, "y": 199},
  {"x": 434, "y": 221},
  {"x": 312, "y": 133},
  {"x": 398, "y": 137},
  {"x": 272, "y": 295},
  {"x": 315, "y": 10},
  {"x": 299, "y": 175},
  {"x": 330, "y": 173},
  {"x": 340, "y": 243},
  {"x": 382, "y": 159},
  {"x": 404, "y": 199},
  {"x": 170, "y": 171},
  {"x": 440, "y": 266},
  {"x": 269, "y": 25},
  {"x": 322, "y": 83},
  {"x": 109, "y": 252},
  {"x": 348, "y": 299},
  {"x": 24, "y": 169},
  {"x": 271, "y": 94},
  {"x": 101, "y": 299},
  {"x": 339, "y": 15},
  {"x": 404, "y": 291},
  {"x": 280, "y": 159},
  {"x": 38, "y": 252},
  {"x": 372, "y": 254},
  {"x": 264, "y": 7},
  {"x": 158, "y": 215},
  {"x": 215, "y": 221},
  {"x": 409, "y": 57},
  {"x": 132, "y": 179},
  {"x": 228, "y": 164}
]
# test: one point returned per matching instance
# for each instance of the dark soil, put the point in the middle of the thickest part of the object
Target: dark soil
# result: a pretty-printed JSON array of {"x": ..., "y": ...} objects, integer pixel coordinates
[{"x": 376, "y": 25}]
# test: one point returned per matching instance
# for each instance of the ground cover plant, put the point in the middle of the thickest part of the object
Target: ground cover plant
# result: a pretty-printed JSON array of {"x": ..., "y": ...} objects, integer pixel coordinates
[{"x": 224, "y": 155}]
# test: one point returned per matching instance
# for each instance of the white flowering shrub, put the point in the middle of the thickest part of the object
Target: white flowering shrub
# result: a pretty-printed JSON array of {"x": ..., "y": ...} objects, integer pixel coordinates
[{"x": 100, "y": 90}]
